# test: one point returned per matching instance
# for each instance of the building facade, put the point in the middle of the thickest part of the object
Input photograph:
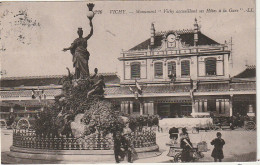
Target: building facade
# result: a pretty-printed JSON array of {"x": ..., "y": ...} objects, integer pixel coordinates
[
  {"x": 26, "y": 96},
  {"x": 181, "y": 73},
  {"x": 174, "y": 74}
]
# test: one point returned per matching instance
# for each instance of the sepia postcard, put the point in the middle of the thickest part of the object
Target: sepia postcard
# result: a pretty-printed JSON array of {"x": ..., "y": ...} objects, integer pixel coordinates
[{"x": 97, "y": 82}]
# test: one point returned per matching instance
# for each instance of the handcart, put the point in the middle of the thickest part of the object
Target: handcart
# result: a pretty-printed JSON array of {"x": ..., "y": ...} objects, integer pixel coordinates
[{"x": 175, "y": 151}]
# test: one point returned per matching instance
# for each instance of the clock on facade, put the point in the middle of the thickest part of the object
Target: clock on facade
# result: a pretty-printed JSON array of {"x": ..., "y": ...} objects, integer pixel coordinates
[{"x": 171, "y": 40}]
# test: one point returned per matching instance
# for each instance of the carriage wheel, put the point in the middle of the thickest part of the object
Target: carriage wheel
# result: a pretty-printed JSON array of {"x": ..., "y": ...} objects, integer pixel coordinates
[
  {"x": 250, "y": 125},
  {"x": 23, "y": 124},
  {"x": 177, "y": 158}
]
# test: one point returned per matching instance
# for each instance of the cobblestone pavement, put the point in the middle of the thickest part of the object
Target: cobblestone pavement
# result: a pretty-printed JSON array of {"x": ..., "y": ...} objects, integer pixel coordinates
[{"x": 240, "y": 145}]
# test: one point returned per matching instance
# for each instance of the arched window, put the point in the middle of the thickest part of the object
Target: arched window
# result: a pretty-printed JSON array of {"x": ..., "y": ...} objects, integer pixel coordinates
[
  {"x": 172, "y": 67},
  {"x": 210, "y": 66},
  {"x": 135, "y": 70},
  {"x": 158, "y": 70},
  {"x": 185, "y": 68}
]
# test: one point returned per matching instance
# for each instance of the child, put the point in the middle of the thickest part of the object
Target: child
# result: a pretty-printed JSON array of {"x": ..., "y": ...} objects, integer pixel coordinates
[
  {"x": 174, "y": 134},
  {"x": 217, "y": 152}
]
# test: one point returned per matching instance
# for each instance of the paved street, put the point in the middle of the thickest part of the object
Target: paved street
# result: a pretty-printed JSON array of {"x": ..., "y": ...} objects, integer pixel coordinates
[{"x": 240, "y": 145}]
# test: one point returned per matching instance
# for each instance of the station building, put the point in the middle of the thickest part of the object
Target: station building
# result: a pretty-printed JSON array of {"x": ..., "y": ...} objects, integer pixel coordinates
[
  {"x": 174, "y": 74},
  {"x": 182, "y": 73}
]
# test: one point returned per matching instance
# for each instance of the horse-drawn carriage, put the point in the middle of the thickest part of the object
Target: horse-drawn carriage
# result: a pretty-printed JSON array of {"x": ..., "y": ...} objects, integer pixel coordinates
[
  {"x": 248, "y": 123},
  {"x": 222, "y": 122},
  {"x": 20, "y": 120},
  {"x": 24, "y": 122}
]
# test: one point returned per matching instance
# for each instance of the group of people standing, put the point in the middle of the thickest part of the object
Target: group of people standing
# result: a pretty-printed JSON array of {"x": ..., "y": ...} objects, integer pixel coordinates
[{"x": 187, "y": 147}]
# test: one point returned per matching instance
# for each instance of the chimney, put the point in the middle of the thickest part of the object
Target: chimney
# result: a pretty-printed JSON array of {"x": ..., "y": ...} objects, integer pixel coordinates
[
  {"x": 152, "y": 35},
  {"x": 196, "y": 30}
]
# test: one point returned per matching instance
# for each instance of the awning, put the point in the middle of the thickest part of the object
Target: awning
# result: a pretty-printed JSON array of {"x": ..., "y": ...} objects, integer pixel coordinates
[
  {"x": 25, "y": 103},
  {"x": 125, "y": 90}
]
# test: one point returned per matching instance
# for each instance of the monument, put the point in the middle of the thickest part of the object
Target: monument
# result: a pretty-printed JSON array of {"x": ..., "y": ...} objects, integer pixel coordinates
[
  {"x": 79, "y": 50},
  {"x": 79, "y": 126}
]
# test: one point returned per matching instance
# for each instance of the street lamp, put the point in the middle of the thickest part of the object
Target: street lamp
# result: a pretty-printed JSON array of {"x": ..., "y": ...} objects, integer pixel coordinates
[{"x": 90, "y": 13}]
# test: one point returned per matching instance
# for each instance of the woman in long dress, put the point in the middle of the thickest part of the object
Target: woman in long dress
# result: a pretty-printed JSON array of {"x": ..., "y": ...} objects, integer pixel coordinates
[
  {"x": 80, "y": 53},
  {"x": 187, "y": 147}
]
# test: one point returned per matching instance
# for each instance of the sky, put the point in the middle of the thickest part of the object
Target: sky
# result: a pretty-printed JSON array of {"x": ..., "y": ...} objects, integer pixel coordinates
[{"x": 36, "y": 50}]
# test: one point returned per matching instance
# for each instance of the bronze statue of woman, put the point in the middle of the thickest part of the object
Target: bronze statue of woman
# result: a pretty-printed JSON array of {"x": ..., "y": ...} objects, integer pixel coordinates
[{"x": 80, "y": 53}]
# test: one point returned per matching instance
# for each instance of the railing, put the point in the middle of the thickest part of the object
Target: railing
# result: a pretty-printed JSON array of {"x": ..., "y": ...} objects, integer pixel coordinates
[
  {"x": 96, "y": 141},
  {"x": 143, "y": 139},
  {"x": 244, "y": 86}
]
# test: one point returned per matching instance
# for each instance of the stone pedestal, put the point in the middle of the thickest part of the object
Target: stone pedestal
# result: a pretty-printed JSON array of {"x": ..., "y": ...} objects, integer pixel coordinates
[{"x": 39, "y": 156}]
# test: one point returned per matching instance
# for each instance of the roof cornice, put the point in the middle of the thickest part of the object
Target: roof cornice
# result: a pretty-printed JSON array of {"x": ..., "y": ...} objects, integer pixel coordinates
[{"x": 49, "y": 76}]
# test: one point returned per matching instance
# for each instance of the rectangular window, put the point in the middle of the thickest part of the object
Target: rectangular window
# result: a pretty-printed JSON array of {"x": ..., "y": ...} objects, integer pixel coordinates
[
  {"x": 136, "y": 107},
  {"x": 202, "y": 106},
  {"x": 211, "y": 66},
  {"x": 222, "y": 106},
  {"x": 158, "y": 70},
  {"x": 135, "y": 70},
  {"x": 211, "y": 105},
  {"x": 185, "y": 68}
]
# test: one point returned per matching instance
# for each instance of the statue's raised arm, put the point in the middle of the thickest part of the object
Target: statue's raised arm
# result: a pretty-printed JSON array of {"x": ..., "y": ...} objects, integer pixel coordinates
[
  {"x": 91, "y": 30},
  {"x": 90, "y": 16}
]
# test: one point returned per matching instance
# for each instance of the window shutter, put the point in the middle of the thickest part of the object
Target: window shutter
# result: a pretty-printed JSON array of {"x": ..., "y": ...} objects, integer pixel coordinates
[
  {"x": 185, "y": 68},
  {"x": 211, "y": 66},
  {"x": 158, "y": 69},
  {"x": 135, "y": 70}
]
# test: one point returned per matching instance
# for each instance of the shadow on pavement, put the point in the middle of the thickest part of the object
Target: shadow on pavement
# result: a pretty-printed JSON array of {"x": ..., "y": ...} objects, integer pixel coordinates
[{"x": 248, "y": 157}]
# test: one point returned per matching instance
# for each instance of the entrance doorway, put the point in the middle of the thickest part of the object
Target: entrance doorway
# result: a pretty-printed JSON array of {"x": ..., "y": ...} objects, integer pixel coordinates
[{"x": 174, "y": 110}]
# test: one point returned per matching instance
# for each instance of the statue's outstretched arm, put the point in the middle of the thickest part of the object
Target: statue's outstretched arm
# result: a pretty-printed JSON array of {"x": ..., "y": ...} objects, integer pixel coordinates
[
  {"x": 91, "y": 31},
  {"x": 68, "y": 48}
]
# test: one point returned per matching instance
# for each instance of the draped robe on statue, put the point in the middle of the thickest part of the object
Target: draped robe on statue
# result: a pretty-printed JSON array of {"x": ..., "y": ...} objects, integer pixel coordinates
[{"x": 80, "y": 57}]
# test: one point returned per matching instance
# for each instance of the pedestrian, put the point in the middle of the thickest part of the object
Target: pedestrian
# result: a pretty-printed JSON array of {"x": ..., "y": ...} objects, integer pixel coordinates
[
  {"x": 184, "y": 133},
  {"x": 128, "y": 146},
  {"x": 174, "y": 134},
  {"x": 119, "y": 154},
  {"x": 217, "y": 152},
  {"x": 187, "y": 147}
]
